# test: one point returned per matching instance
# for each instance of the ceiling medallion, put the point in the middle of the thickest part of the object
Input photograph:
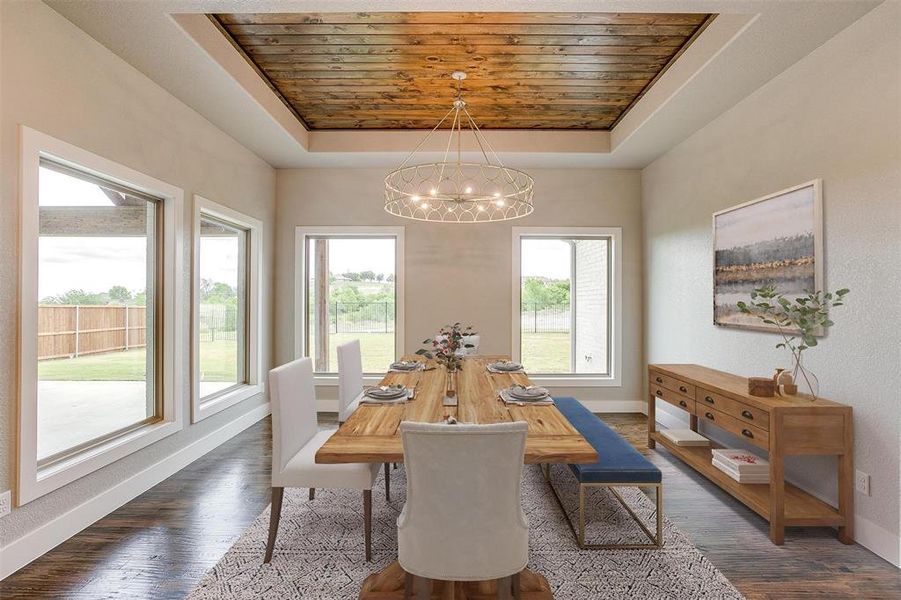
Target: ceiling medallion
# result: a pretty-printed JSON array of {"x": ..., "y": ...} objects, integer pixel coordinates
[{"x": 457, "y": 191}]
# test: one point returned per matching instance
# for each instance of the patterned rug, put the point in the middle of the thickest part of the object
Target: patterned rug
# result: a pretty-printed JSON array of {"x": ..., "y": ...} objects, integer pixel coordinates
[{"x": 319, "y": 551}]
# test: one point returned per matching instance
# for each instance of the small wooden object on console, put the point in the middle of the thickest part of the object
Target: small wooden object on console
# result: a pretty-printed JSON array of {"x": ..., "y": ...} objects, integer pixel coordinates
[
  {"x": 762, "y": 387},
  {"x": 782, "y": 426}
]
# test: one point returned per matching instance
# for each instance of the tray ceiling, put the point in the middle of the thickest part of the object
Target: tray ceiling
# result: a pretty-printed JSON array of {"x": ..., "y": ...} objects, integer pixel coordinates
[{"x": 525, "y": 70}]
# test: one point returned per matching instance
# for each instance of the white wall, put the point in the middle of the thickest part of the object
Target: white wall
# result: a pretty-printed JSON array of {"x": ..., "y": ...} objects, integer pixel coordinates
[
  {"x": 463, "y": 272},
  {"x": 58, "y": 80},
  {"x": 835, "y": 115}
]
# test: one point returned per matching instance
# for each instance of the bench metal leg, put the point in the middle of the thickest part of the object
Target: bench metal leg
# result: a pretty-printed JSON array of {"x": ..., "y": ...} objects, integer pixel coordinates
[{"x": 579, "y": 534}]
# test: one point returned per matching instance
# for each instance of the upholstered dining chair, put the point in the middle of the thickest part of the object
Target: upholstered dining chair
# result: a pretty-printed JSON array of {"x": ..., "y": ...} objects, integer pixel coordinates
[
  {"x": 350, "y": 390},
  {"x": 295, "y": 440},
  {"x": 463, "y": 519}
]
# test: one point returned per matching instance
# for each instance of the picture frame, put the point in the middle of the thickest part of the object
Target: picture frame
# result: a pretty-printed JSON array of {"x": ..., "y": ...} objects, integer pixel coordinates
[{"x": 776, "y": 239}]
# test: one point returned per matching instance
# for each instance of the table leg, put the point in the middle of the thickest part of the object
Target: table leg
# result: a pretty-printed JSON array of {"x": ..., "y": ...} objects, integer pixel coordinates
[{"x": 652, "y": 420}]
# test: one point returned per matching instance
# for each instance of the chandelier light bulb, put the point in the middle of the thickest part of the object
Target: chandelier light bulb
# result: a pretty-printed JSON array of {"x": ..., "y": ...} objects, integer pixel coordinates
[
  {"x": 433, "y": 192},
  {"x": 468, "y": 190},
  {"x": 415, "y": 198}
]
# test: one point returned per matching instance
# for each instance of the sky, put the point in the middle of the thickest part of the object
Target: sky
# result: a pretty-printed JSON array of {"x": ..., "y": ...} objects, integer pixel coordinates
[
  {"x": 783, "y": 216},
  {"x": 95, "y": 264}
]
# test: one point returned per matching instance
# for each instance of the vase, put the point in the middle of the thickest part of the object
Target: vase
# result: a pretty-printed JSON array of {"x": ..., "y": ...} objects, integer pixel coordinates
[
  {"x": 451, "y": 383},
  {"x": 804, "y": 378}
]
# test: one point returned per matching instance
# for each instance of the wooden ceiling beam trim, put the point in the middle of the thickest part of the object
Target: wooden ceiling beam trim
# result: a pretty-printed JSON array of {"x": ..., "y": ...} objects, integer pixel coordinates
[
  {"x": 444, "y": 70},
  {"x": 494, "y": 49},
  {"x": 457, "y": 29},
  {"x": 388, "y": 60},
  {"x": 459, "y": 40},
  {"x": 444, "y": 75},
  {"x": 511, "y": 18}
]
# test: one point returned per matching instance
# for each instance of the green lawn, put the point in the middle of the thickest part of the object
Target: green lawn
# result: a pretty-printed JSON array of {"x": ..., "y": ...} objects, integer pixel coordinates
[
  {"x": 546, "y": 352},
  {"x": 542, "y": 353},
  {"x": 217, "y": 361}
]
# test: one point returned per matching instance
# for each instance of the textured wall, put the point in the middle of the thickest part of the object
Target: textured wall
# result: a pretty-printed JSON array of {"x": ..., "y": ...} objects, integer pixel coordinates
[
  {"x": 835, "y": 115},
  {"x": 58, "y": 80},
  {"x": 463, "y": 272}
]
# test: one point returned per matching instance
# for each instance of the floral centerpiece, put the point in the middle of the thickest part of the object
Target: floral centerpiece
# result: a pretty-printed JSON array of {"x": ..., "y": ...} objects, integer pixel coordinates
[
  {"x": 445, "y": 349},
  {"x": 446, "y": 346}
]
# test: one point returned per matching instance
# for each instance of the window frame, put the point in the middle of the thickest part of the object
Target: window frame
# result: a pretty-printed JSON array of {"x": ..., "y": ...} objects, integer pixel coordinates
[
  {"x": 301, "y": 235},
  {"x": 34, "y": 480},
  {"x": 202, "y": 408},
  {"x": 614, "y": 234}
]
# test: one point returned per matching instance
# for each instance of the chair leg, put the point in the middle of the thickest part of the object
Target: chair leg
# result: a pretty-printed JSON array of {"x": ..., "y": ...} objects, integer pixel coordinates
[
  {"x": 274, "y": 517},
  {"x": 504, "y": 586},
  {"x": 408, "y": 585},
  {"x": 367, "y": 523},
  {"x": 395, "y": 466},
  {"x": 312, "y": 493},
  {"x": 516, "y": 584},
  {"x": 387, "y": 482}
]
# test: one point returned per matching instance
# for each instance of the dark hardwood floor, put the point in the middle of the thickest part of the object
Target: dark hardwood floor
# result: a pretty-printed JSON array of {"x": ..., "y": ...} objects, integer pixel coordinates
[{"x": 160, "y": 544}]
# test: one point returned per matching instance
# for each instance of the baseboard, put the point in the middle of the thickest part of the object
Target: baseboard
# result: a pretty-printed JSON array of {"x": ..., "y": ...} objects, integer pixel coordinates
[
  {"x": 34, "y": 544},
  {"x": 878, "y": 540}
]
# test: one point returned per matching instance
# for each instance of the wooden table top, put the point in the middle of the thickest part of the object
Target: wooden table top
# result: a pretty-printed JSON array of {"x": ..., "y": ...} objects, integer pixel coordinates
[{"x": 371, "y": 434}]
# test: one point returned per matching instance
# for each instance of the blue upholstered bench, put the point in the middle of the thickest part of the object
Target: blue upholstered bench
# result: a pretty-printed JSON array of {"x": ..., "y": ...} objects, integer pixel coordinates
[{"x": 618, "y": 465}]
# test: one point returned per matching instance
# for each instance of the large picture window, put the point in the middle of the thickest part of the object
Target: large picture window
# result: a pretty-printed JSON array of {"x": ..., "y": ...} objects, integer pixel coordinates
[
  {"x": 100, "y": 259},
  {"x": 352, "y": 287},
  {"x": 226, "y": 307},
  {"x": 98, "y": 278},
  {"x": 566, "y": 285}
]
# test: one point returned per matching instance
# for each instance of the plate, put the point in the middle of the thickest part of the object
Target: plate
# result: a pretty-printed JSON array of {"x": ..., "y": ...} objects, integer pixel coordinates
[
  {"x": 390, "y": 393},
  {"x": 406, "y": 366},
  {"x": 505, "y": 366},
  {"x": 532, "y": 393}
]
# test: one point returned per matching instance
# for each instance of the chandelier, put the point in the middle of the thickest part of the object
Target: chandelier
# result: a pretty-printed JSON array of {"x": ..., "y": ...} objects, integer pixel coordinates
[{"x": 454, "y": 191}]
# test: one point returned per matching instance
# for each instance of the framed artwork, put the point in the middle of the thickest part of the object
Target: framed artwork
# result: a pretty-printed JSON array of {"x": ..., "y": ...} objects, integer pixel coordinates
[{"x": 774, "y": 240}]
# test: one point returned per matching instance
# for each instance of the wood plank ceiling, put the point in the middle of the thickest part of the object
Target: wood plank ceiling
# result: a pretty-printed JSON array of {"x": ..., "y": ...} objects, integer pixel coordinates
[{"x": 525, "y": 70}]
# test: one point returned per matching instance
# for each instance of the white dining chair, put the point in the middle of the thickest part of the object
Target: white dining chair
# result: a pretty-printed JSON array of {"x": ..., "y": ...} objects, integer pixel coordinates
[
  {"x": 463, "y": 518},
  {"x": 295, "y": 440},
  {"x": 472, "y": 340},
  {"x": 350, "y": 390}
]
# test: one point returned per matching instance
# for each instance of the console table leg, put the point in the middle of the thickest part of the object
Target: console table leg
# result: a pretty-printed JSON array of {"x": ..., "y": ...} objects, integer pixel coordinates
[
  {"x": 652, "y": 420},
  {"x": 846, "y": 486}
]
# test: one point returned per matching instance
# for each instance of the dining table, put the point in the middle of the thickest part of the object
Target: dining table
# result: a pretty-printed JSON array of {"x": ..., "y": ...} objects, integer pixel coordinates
[{"x": 372, "y": 435}]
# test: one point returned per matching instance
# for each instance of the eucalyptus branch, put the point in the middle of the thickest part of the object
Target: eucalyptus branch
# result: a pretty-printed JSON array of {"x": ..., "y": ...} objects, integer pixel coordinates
[{"x": 808, "y": 315}]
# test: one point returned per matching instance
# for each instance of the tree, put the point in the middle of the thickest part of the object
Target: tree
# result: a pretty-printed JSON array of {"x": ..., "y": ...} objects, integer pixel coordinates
[
  {"x": 380, "y": 277},
  {"x": 119, "y": 294},
  {"x": 78, "y": 297}
]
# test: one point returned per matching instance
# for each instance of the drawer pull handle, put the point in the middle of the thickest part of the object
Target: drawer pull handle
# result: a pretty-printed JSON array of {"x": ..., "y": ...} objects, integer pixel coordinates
[
  {"x": 683, "y": 389},
  {"x": 747, "y": 414},
  {"x": 659, "y": 393},
  {"x": 682, "y": 403},
  {"x": 747, "y": 433},
  {"x": 710, "y": 416},
  {"x": 708, "y": 399},
  {"x": 658, "y": 379}
]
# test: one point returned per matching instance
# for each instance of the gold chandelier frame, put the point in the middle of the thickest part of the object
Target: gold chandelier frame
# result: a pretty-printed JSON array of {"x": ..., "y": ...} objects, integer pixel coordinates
[{"x": 456, "y": 191}]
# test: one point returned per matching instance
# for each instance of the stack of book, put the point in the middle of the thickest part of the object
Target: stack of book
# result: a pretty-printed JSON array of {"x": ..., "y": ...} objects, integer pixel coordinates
[
  {"x": 685, "y": 437},
  {"x": 741, "y": 465}
]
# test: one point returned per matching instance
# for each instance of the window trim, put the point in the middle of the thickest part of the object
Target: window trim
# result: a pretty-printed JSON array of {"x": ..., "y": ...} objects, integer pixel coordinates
[
  {"x": 34, "y": 481},
  {"x": 301, "y": 234},
  {"x": 614, "y": 379},
  {"x": 200, "y": 408}
]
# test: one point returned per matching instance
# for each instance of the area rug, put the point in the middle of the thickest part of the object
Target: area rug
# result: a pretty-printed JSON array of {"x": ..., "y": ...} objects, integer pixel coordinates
[{"x": 319, "y": 552}]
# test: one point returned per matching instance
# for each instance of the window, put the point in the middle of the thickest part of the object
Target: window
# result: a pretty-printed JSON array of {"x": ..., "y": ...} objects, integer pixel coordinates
[
  {"x": 351, "y": 287},
  {"x": 226, "y": 317},
  {"x": 566, "y": 302},
  {"x": 99, "y": 359}
]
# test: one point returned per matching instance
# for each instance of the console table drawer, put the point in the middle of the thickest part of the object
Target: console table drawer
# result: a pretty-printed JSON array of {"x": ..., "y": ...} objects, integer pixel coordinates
[
  {"x": 734, "y": 408},
  {"x": 673, "y": 398},
  {"x": 755, "y": 435},
  {"x": 672, "y": 384}
]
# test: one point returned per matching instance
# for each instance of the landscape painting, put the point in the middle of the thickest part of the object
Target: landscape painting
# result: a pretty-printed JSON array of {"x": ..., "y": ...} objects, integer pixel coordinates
[{"x": 774, "y": 240}]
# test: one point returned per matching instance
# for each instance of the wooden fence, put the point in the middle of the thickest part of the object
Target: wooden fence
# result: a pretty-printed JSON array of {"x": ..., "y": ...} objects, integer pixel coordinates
[{"x": 68, "y": 331}]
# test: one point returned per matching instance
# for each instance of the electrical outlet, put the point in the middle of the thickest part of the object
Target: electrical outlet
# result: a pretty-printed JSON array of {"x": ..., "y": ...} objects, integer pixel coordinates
[
  {"x": 862, "y": 482},
  {"x": 6, "y": 503}
]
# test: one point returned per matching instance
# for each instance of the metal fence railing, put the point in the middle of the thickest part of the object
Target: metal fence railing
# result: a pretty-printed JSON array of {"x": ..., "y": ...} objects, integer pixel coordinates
[
  {"x": 361, "y": 317},
  {"x": 218, "y": 322},
  {"x": 545, "y": 318}
]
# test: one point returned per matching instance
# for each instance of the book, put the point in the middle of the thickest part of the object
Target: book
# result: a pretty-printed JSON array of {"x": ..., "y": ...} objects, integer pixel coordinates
[
  {"x": 741, "y": 460},
  {"x": 685, "y": 437},
  {"x": 741, "y": 477}
]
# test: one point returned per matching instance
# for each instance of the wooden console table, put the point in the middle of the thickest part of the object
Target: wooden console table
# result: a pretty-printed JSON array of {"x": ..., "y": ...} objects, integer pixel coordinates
[{"x": 783, "y": 426}]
